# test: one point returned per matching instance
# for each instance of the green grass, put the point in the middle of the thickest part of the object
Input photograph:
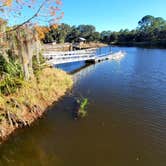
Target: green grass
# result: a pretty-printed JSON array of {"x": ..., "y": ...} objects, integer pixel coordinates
[
  {"x": 82, "y": 112},
  {"x": 11, "y": 76}
]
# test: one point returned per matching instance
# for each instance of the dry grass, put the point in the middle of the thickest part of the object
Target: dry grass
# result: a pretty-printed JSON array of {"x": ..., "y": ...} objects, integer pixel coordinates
[
  {"x": 93, "y": 45},
  {"x": 29, "y": 102}
]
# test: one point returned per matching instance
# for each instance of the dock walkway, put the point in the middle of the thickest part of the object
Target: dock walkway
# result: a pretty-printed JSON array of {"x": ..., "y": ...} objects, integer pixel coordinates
[{"x": 55, "y": 58}]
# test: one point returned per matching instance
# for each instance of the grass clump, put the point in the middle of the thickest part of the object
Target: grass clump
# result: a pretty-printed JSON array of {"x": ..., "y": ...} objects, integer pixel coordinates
[
  {"x": 11, "y": 76},
  {"x": 82, "y": 111},
  {"x": 38, "y": 64}
]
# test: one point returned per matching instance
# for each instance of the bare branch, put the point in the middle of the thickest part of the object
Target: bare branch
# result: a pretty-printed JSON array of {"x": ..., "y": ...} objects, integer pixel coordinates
[{"x": 27, "y": 21}]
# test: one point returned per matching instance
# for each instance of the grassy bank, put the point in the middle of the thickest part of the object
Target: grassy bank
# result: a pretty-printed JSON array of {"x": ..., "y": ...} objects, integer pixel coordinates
[{"x": 29, "y": 102}]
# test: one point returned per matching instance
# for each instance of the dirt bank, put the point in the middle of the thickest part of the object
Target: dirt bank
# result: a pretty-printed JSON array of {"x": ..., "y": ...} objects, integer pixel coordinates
[{"x": 32, "y": 100}]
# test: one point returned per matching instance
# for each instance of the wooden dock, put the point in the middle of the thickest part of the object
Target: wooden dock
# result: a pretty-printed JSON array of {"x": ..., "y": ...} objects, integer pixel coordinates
[{"x": 88, "y": 55}]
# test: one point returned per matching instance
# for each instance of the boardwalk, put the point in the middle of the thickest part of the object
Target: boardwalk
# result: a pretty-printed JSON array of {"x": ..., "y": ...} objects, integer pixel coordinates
[{"x": 55, "y": 58}]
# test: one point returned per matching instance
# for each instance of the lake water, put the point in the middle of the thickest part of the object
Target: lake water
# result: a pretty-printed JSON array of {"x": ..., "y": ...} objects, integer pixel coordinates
[{"x": 126, "y": 122}]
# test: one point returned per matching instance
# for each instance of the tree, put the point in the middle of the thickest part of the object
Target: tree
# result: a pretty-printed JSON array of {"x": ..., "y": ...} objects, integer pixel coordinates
[
  {"x": 146, "y": 22},
  {"x": 113, "y": 37},
  {"x": 95, "y": 36},
  {"x": 86, "y": 31},
  {"x": 41, "y": 11},
  {"x": 73, "y": 35},
  {"x": 150, "y": 27},
  {"x": 105, "y": 36},
  {"x": 63, "y": 30},
  {"x": 159, "y": 23}
]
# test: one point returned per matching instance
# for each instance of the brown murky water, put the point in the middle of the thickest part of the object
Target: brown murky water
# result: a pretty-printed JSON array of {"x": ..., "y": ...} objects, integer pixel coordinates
[{"x": 126, "y": 123}]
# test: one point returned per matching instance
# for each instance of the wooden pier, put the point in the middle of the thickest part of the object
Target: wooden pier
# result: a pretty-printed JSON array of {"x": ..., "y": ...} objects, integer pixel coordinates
[{"x": 88, "y": 55}]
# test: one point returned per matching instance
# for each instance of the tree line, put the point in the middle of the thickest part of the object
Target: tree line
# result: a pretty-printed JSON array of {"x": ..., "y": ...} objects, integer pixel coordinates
[
  {"x": 150, "y": 30},
  {"x": 66, "y": 33}
]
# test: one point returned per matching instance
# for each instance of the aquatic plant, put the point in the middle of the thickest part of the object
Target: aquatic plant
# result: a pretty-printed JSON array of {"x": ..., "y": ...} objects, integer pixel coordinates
[{"x": 82, "y": 111}]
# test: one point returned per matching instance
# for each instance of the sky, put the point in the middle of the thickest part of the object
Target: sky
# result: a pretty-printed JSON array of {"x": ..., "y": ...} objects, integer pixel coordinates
[
  {"x": 103, "y": 14},
  {"x": 111, "y": 14}
]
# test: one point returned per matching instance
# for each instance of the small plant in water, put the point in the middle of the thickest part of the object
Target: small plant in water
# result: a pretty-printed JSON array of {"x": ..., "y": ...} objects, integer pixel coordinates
[{"x": 82, "y": 111}]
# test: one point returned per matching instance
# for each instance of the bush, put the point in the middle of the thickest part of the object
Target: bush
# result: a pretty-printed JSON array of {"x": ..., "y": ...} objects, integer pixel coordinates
[
  {"x": 11, "y": 76},
  {"x": 38, "y": 66}
]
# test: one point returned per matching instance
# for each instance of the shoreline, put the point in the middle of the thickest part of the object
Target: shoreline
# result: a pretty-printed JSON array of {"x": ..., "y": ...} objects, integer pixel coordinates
[
  {"x": 156, "y": 44},
  {"x": 69, "y": 47},
  {"x": 22, "y": 110}
]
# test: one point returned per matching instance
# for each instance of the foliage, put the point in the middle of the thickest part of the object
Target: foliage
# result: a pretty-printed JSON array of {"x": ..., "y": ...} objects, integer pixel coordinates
[
  {"x": 11, "y": 75},
  {"x": 38, "y": 67},
  {"x": 150, "y": 29},
  {"x": 48, "y": 11},
  {"x": 66, "y": 33},
  {"x": 14, "y": 39}
]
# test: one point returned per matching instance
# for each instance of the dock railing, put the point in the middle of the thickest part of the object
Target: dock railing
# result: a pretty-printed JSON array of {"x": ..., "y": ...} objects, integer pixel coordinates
[{"x": 69, "y": 56}]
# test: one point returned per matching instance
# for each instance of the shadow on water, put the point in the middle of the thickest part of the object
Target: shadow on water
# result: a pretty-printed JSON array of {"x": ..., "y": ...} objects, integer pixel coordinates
[
  {"x": 71, "y": 67},
  {"x": 81, "y": 68}
]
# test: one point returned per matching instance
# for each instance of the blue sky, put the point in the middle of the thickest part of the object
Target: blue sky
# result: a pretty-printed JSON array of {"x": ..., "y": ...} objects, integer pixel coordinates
[
  {"x": 105, "y": 14},
  {"x": 111, "y": 14}
]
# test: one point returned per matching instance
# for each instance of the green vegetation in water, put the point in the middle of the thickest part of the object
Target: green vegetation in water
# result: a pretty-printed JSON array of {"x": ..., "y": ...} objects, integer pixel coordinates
[{"x": 82, "y": 112}]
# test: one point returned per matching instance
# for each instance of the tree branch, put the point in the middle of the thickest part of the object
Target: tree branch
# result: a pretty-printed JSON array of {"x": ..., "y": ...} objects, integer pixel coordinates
[{"x": 27, "y": 21}]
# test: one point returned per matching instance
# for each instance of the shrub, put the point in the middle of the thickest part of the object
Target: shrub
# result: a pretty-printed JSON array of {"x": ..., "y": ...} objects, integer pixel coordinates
[{"x": 11, "y": 76}]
